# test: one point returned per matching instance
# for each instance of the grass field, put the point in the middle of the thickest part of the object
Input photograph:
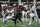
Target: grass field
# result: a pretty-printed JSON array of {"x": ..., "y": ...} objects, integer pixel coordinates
[{"x": 11, "y": 23}]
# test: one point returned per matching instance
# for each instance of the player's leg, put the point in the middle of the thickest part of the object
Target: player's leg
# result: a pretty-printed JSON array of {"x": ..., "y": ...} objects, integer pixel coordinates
[
  {"x": 36, "y": 17},
  {"x": 26, "y": 16},
  {"x": 20, "y": 20},
  {"x": 39, "y": 19},
  {"x": 5, "y": 20},
  {"x": 19, "y": 17},
  {"x": 15, "y": 20},
  {"x": 31, "y": 16},
  {"x": 5, "y": 23},
  {"x": 30, "y": 21},
  {"x": 23, "y": 15},
  {"x": 38, "y": 13}
]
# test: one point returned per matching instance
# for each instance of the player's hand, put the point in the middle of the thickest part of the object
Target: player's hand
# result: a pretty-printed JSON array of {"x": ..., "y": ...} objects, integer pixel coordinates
[
  {"x": 5, "y": 12},
  {"x": 15, "y": 12}
]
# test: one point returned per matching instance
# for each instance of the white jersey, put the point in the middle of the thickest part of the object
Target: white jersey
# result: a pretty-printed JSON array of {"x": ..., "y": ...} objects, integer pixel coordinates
[
  {"x": 2, "y": 12},
  {"x": 12, "y": 14},
  {"x": 32, "y": 13},
  {"x": 10, "y": 11}
]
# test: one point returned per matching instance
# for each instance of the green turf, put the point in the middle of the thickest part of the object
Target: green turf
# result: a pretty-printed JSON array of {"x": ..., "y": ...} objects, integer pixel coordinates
[{"x": 11, "y": 23}]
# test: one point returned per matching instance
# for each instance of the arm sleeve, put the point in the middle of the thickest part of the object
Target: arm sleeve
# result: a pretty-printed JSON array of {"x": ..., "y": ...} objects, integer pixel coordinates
[
  {"x": 12, "y": 10},
  {"x": 7, "y": 10}
]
